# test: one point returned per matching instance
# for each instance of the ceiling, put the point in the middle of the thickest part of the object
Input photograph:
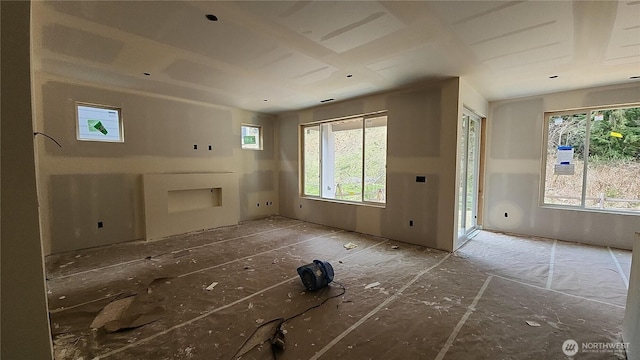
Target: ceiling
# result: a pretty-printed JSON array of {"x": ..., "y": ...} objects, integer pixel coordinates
[{"x": 274, "y": 56}]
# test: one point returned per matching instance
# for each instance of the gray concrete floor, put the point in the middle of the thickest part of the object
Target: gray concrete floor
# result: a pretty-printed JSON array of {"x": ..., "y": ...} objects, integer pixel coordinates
[{"x": 473, "y": 304}]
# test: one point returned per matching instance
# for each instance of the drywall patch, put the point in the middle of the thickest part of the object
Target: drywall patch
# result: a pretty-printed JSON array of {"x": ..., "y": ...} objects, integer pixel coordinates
[
  {"x": 516, "y": 129},
  {"x": 195, "y": 73},
  {"x": 288, "y": 194},
  {"x": 411, "y": 201},
  {"x": 252, "y": 183},
  {"x": 84, "y": 45},
  {"x": 333, "y": 214},
  {"x": 369, "y": 220},
  {"x": 348, "y": 108},
  {"x": 158, "y": 27},
  {"x": 288, "y": 126},
  {"x": 414, "y": 124},
  {"x": 79, "y": 201},
  {"x": 257, "y": 181},
  {"x": 268, "y": 151},
  {"x": 508, "y": 199},
  {"x": 611, "y": 97},
  {"x": 152, "y": 126}
]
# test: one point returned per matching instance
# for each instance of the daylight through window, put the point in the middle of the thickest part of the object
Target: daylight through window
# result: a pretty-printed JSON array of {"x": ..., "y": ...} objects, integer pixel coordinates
[
  {"x": 346, "y": 159},
  {"x": 593, "y": 159},
  {"x": 251, "y": 137},
  {"x": 98, "y": 123}
]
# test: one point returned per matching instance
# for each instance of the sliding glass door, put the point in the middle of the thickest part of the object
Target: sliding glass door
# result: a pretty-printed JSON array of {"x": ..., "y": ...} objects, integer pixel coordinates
[{"x": 469, "y": 166}]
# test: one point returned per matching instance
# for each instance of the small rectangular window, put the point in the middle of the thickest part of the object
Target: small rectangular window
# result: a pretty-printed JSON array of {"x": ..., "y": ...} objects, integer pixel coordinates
[
  {"x": 98, "y": 123},
  {"x": 251, "y": 137}
]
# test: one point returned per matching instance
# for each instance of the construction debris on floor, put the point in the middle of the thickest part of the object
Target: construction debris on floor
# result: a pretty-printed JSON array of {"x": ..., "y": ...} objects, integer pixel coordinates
[{"x": 235, "y": 292}]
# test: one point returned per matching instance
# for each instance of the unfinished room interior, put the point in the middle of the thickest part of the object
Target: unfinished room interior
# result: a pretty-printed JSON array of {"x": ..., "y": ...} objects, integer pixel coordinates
[{"x": 320, "y": 180}]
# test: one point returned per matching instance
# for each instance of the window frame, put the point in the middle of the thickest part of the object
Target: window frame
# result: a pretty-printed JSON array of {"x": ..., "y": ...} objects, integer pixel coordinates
[
  {"x": 301, "y": 155},
  {"x": 260, "y": 139},
  {"x": 78, "y": 104},
  {"x": 547, "y": 115}
]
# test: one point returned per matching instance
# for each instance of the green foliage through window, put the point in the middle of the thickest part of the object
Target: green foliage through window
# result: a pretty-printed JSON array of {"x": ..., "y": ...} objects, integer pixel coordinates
[
  {"x": 346, "y": 159},
  {"x": 606, "y": 165}
]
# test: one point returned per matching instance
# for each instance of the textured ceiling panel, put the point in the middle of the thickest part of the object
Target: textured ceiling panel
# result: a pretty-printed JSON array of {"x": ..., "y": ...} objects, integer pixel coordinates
[
  {"x": 457, "y": 12},
  {"x": 624, "y": 45},
  {"x": 339, "y": 26},
  {"x": 532, "y": 55},
  {"x": 295, "y": 53},
  {"x": 504, "y": 20},
  {"x": 293, "y": 66},
  {"x": 275, "y": 96},
  {"x": 178, "y": 24},
  {"x": 556, "y": 32},
  {"x": 354, "y": 90},
  {"x": 80, "y": 44},
  {"x": 204, "y": 75},
  {"x": 424, "y": 61},
  {"x": 314, "y": 75},
  {"x": 111, "y": 78},
  {"x": 514, "y": 34}
]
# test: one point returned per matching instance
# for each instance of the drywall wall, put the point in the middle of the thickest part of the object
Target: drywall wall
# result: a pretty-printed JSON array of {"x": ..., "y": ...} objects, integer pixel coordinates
[
  {"x": 472, "y": 100},
  {"x": 25, "y": 319},
  {"x": 82, "y": 183},
  {"x": 514, "y": 166},
  {"x": 631, "y": 324},
  {"x": 422, "y": 137}
]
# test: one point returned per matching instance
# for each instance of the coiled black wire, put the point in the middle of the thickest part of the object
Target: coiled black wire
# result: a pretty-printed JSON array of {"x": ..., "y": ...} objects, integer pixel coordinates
[{"x": 282, "y": 321}]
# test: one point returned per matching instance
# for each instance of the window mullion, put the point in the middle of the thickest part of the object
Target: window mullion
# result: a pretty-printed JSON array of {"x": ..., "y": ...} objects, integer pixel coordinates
[
  {"x": 320, "y": 160},
  {"x": 585, "y": 156},
  {"x": 363, "y": 160}
]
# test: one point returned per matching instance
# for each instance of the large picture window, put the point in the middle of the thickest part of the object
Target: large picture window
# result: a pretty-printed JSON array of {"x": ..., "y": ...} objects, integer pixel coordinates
[
  {"x": 593, "y": 159},
  {"x": 346, "y": 159}
]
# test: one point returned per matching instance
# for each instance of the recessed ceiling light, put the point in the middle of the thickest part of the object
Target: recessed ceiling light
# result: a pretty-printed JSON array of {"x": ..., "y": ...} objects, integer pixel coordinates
[
  {"x": 350, "y": 75},
  {"x": 146, "y": 74},
  {"x": 553, "y": 76},
  {"x": 211, "y": 17},
  {"x": 635, "y": 77},
  {"x": 326, "y": 100}
]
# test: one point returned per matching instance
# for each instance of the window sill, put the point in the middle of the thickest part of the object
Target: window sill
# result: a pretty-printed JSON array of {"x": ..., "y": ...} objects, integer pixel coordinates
[
  {"x": 345, "y": 202},
  {"x": 590, "y": 210}
]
